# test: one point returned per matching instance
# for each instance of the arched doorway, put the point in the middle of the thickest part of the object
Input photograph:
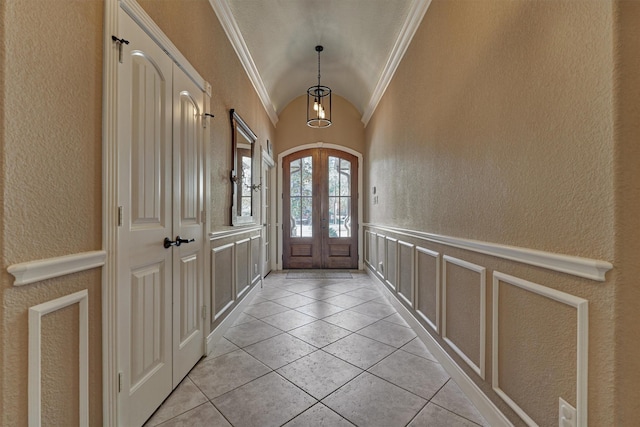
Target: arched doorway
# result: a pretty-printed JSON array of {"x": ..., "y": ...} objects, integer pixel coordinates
[{"x": 320, "y": 220}]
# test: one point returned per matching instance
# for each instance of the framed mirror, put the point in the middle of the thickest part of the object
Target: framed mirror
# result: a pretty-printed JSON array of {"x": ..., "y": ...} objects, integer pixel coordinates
[{"x": 242, "y": 177}]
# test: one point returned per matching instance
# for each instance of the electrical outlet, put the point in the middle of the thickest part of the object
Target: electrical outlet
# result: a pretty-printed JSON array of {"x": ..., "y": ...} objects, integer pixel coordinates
[
  {"x": 381, "y": 267},
  {"x": 255, "y": 268},
  {"x": 566, "y": 414}
]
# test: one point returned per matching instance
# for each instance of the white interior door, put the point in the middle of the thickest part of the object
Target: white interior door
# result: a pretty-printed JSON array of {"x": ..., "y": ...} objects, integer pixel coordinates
[
  {"x": 160, "y": 196},
  {"x": 188, "y": 262}
]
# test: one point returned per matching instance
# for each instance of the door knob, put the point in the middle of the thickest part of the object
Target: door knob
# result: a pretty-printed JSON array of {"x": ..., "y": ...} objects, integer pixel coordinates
[{"x": 168, "y": 242}]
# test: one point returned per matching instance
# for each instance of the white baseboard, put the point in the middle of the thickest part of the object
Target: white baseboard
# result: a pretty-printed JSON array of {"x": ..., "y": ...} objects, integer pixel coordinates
[{"x": 485, "y": 406}]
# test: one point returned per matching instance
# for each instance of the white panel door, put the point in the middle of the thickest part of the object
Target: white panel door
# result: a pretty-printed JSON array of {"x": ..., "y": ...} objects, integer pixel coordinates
[
  {"x": 160, "y": 191},
  {"x": 188, "y": 261},
  {"x": 144, "y": 194}
]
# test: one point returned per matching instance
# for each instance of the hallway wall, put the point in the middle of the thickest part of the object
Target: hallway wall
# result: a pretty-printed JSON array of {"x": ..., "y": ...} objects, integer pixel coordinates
[
  {"x": 51, "y": 189},
  {"x": 498, "y": 126},
  {"x": 346, "y": 128},
  {"x": 51, "y": 149}
]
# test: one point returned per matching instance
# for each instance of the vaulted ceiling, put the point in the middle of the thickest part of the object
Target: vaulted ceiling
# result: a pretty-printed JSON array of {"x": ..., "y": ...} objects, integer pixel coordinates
[{"x": 363, "y": 42}]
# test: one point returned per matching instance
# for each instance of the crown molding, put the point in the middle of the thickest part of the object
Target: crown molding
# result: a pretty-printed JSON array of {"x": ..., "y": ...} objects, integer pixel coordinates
[
  {"x": 408, "y": 30},
  {"x": 223, "y": 12}
]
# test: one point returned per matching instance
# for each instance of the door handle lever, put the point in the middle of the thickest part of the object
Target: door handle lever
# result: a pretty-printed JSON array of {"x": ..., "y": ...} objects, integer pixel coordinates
[{"x": 168, "y": 242}]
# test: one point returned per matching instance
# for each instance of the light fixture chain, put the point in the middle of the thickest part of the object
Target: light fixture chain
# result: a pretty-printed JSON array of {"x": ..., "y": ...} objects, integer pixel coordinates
[{"x": 318, "y": 68}]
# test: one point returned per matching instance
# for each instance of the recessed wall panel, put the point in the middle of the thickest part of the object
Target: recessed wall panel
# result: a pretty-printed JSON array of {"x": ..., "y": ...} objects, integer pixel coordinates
[
  {"x": 391, "y": 270},
  {"x": 255, "y": 259},
  {"x": 242, "y": 253},
  {"x": 381, "y": 256},
  {"x": 59, "y": 366},
  {"x": 464, "y": 297},
  {"x": 405, "y": 272},
  {"x": 223, "y": 283},
  {"x": 428, "y": 286},
  {"x": 539, "y": 339}
]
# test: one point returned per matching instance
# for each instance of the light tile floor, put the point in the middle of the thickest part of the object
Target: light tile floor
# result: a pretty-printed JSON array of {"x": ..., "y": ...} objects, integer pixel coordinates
[{"x": 318, "y": 352}]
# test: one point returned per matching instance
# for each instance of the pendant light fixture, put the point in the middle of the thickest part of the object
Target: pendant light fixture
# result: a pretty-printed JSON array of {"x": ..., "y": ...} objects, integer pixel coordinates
[{"x": 319, "y": 102}]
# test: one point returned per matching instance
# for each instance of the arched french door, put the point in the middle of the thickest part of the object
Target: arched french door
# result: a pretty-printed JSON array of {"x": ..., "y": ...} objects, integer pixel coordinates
[{"x": 320, "y": 209}]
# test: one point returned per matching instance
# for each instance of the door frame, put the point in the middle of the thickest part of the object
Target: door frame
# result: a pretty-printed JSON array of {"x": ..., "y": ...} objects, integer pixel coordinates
[
  {"x": 280, "y": 191},
  {"x": 110, "y": 176},
  {"x": 266, "y": 161}
]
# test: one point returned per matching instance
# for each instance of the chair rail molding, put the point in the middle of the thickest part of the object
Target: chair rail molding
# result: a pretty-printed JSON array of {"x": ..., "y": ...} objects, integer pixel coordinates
[
  {"x": 29, "y": 272},
  {"x": 577, "y": 266}
]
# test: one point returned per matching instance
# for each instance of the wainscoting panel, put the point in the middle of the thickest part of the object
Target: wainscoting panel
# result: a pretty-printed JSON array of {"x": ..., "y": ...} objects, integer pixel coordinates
[
  {"x": 254, "y": 267},
  {"x": 405, "y": 272},
  {"x": 371, "y": 249},
  {"x": 36, "y": 375},
  {"x": 391, "y": 270},
  {"x": 538, "y": 342},
  {"x": 381, "y": 256},
  {"x": 427, "y": 287},
  {"x": 464, "y": 311},
  {"x": 223, "y": 280},
  {"x": 243, "y": 258},
  {"x": 541, "y": 330}
]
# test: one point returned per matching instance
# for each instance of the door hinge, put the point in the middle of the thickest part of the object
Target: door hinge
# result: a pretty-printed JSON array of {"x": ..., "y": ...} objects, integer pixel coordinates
[
  {"x": 119, "y": 382},
  {"x": 119, "y": 216},
  {"x": 204, "y": 312}
]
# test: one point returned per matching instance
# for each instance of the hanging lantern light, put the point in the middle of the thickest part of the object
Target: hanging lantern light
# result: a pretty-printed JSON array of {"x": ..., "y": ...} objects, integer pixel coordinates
[{"x": 319, "y": 102}]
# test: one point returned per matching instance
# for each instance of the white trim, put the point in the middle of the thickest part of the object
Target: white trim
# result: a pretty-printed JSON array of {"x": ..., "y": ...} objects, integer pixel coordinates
[
  {"x": 110, "y": 216},
  {"x": 228, "y": 321},
  {"x": 582, "y": 267},
  {"x": 435, "y": 324},
  {"x": 138, "y": 14},
  {"x": 279, "y": 191},
  {"x": 35, "y": 352},
  {"x": 266, "y": 158},
  {"x": 230, "y": 26},
  {"x": 485, "y": 406},
  {"x": 236, "y": 231},
  {"x": 582, "y": 346},
  {"x": 36, "y": 271},
  {"x": 411, "y": 24},
  {"x": 480, "y": 367}
]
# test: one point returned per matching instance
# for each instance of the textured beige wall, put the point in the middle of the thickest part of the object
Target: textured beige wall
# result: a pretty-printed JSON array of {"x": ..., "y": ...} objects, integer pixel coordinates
[
  {"x": 627, "y": 232},
  {"x": 346, "y": 129},
  {"x": 51, "y": 178},
  {"x": 500, "y": 118},
  {"x": 499, "y": 126},
  {"x": 195, "y": 30}
]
